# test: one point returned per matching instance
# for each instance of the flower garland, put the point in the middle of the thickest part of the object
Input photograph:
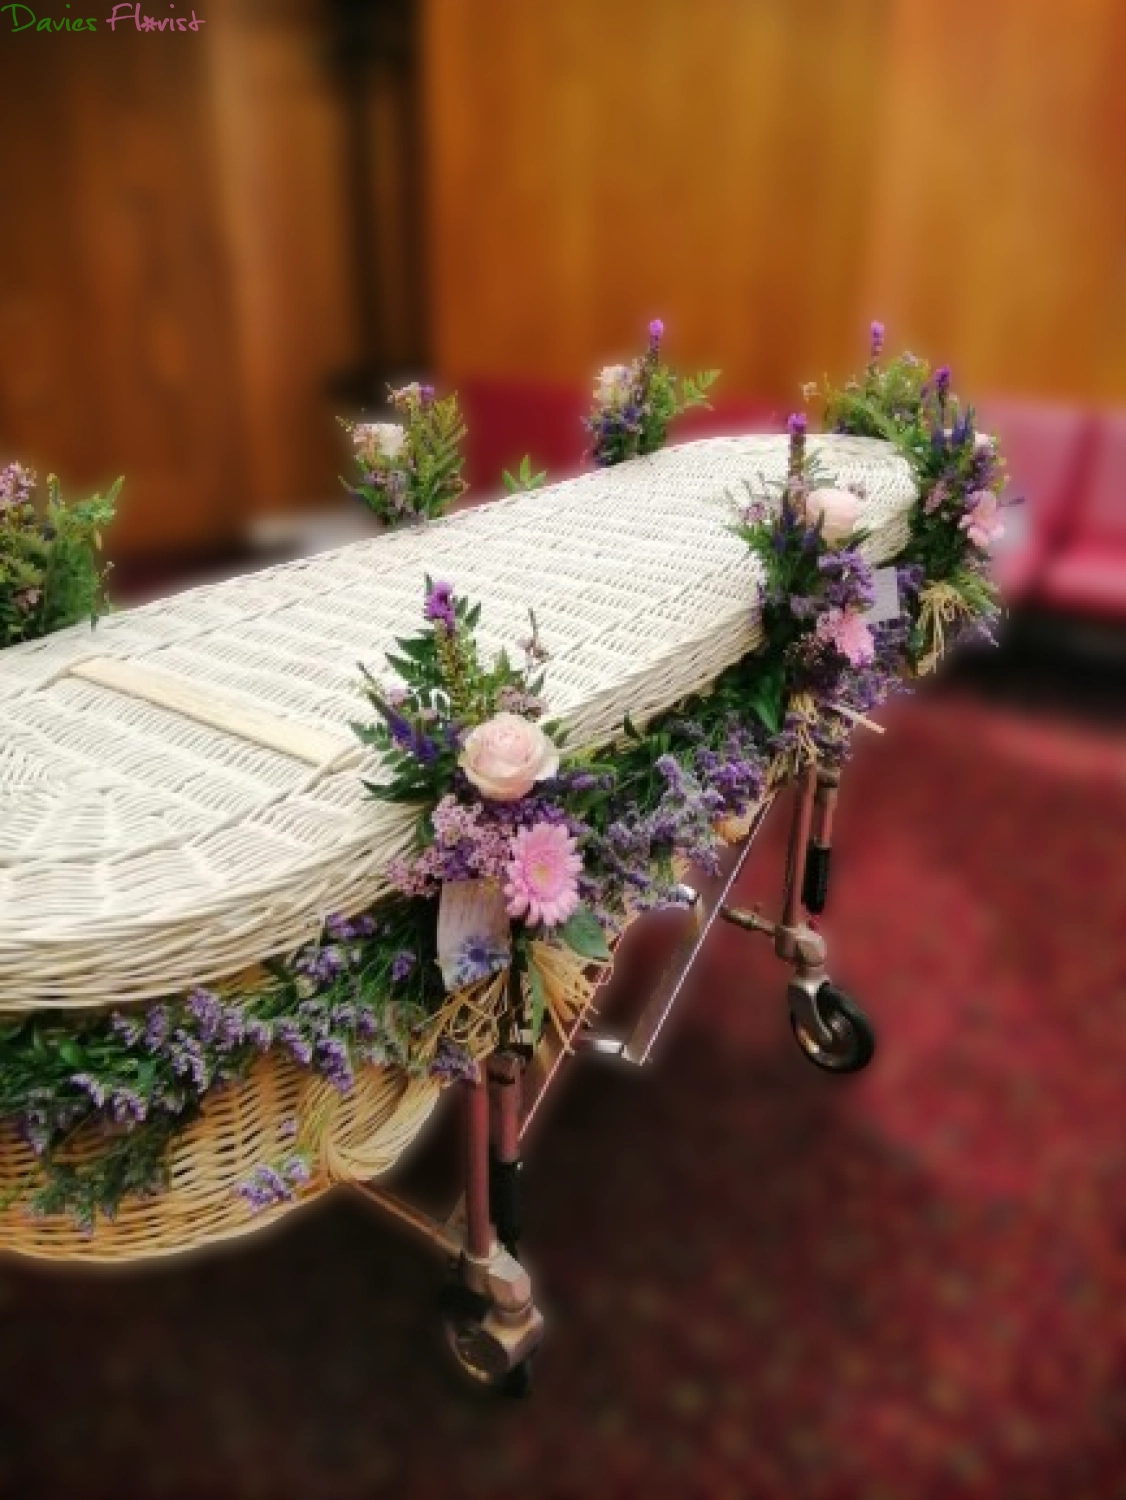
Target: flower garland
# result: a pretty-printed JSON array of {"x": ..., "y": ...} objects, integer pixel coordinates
[
  {"x": 959, "y": 473},
  {"x": 410, "y": 471},
  {"x": 635, "y": 403},
  {"x": 531, "y": 859},
  {"x": 50, "y": 572}
]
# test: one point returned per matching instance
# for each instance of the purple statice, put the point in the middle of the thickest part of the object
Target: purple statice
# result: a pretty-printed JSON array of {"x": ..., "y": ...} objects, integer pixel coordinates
[
  {"x": 877, "y": 335},
  {"x": 847, "y": 582},
  {"x": 323, "y": 966},
  {"x": 961, "y": 430},
  {"x": 402, "y": 966},
  {"x": 267, "y": 1186},
  {"x": 158, "y": 1024},
  {"x": 188, "y": 1059},
  {"x": 334, "y": 1062},
  {"x": 579, "y": 781},
  {"x": 127, "y": 1029},
  {"x": 735, "y": 771},
  {"x": 656, "y": 334},
  {"x": 803, "y": 606},
  {"x": 439, "y": 605},
  {"x": 911, "y": 577},
  {"x": 92, "y": 1087},
  {"x": 289, "y": 1034},
  {"x": 259, "y": 1033},
  {"x": 942, "y": 386},
  {"x": 207, "y": 1008},
  {"x": 220, "y": 1024},
  {"x": 452, "y": 1064},
  {"x": 127, "y": 1107}
]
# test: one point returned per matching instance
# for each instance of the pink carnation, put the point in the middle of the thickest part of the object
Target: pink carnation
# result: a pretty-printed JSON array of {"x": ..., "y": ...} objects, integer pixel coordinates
[
  {"x": 981, "y": 523},
  {"x": 849, "y": 634},
  {"x": 543, "y": 875}
]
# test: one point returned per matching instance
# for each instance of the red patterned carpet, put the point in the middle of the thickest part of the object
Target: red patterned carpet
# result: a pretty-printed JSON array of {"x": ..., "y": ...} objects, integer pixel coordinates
[{"x": 761, "y": 1282}]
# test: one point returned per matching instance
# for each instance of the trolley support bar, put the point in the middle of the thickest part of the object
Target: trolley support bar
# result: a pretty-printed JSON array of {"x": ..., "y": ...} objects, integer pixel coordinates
[{"x": 478, "y": 1220}]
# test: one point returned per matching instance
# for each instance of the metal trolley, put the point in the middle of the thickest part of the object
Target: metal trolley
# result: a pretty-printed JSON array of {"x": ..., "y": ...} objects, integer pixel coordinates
[{"x": 490, "y": 1319}]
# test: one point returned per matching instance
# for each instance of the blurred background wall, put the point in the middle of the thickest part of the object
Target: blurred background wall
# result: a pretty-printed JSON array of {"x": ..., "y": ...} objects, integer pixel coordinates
[{"x": 215, "y": 242}]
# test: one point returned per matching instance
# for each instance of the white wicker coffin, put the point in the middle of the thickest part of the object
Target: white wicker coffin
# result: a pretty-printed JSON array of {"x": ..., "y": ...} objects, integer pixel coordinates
[{"x": 180, "y": 791}]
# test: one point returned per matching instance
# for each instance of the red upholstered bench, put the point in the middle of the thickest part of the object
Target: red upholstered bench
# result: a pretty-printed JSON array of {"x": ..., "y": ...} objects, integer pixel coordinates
[
  {"x": 507, "y": 419},
  {"x": 1088, "y": 573},
  {"x": 1047, "y": 449}
]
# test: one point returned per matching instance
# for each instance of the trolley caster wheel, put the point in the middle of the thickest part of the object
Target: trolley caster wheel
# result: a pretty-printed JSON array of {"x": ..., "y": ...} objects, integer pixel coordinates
[
  {"x": 854, "y": 1042},
  {"x": 475, "y": 1351}
]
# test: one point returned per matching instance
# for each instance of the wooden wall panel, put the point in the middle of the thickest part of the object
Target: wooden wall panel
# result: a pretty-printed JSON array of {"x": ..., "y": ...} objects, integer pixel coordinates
[
  {"x": 770, "y": 176},
  {"x": 598, "y": 162},
  {"x": 279, "y": 149},
  {"x": 113, "y": 287},
  {"x": 1001, "y": 208}
]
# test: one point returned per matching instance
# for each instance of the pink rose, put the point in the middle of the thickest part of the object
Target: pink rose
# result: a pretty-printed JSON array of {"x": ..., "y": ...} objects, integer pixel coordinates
[
  {"x": 506, "y": 756},
  {"x": 838, "y": 510}
]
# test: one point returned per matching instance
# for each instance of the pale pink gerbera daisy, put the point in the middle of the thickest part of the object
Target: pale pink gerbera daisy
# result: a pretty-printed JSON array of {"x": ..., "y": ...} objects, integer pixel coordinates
[
  {"x": 848, "y": 634},
  {"x": 982, "y": 524},
  {"x": 543, "y": 875}
]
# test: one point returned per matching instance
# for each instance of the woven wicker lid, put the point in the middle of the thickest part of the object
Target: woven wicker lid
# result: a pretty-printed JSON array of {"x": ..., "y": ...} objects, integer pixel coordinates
[{"x": 180, "y": 790}]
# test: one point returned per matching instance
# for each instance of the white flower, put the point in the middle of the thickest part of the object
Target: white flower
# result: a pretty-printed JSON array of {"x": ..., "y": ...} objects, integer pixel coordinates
[
  {"x": 838, "y": 510},
  {"x": 376, "y": 440},
  {"x": 612, "y": 387}
]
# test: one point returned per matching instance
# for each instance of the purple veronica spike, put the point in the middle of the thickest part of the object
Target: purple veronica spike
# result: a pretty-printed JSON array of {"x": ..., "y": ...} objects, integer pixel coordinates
[{"x": 439, "y": 605}]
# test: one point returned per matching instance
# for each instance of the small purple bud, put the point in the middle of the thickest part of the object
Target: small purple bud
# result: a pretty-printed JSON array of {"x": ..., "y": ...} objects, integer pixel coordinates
[
  {"x": 439, "y": 604},
  {"x": 797, "y": 425},
  {"x": 877, "y": 339},
  {"x": 656, "y": 331}
]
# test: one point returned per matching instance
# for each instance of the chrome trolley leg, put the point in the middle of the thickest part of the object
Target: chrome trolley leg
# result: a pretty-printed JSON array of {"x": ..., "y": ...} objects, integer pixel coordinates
[
  {"x": 491, "y": 1323},
  {"x": 830, "y": 1028}
]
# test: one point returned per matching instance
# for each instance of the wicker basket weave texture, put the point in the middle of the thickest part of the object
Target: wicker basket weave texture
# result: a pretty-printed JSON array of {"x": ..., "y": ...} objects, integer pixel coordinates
[{"x": 145, "y": 847}]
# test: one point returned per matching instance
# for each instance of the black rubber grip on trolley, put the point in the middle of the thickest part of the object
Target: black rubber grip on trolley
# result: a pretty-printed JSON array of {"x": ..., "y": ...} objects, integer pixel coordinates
[
  {"x": 815, "y": 889},
  {"x": 504, "y": 1199}
]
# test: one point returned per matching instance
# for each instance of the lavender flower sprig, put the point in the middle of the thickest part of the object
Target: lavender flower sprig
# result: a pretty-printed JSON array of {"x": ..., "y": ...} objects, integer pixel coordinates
[{"x": 634, "y": 404}]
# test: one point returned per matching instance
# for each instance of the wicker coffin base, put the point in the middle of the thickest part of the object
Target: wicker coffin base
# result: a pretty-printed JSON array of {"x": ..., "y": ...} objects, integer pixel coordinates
[{"x": 349, "y": 1137}]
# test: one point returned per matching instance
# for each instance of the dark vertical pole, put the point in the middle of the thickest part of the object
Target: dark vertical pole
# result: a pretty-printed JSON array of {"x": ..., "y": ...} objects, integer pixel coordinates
[{"x": 373, "y": 40}]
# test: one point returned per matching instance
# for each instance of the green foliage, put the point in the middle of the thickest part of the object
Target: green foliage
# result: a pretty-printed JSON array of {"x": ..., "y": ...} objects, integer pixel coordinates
[
  {"x": 524, "y": 480},
  {"x": 109, "y": 1081},
  {"x": 447, "y": 689},
  {"x": 435, "y": 435},
  {"x": 667, "y": 397},
  {"x": 418, "y": 475},
  {"x": 583, "y": 934},
  {"x": 636, "y": 405},
  {"x": 905, "y": 403},
  {"x": 51, "y": 572}
]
